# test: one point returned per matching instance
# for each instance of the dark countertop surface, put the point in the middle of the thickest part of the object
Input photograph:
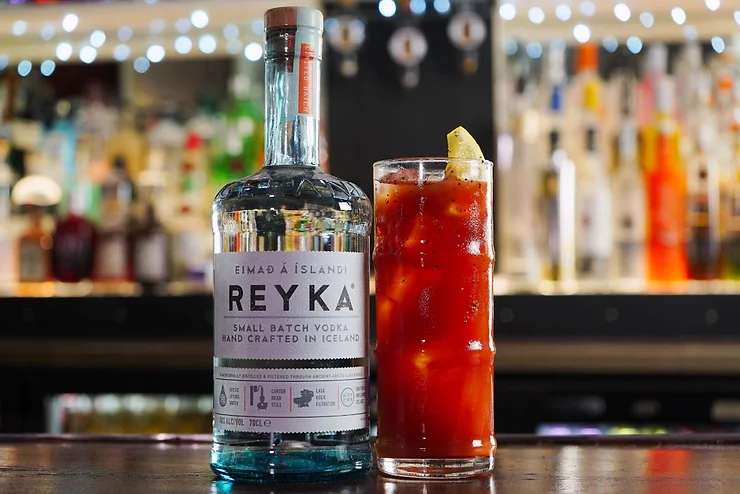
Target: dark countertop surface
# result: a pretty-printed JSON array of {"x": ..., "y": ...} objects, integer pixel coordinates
[{"x": 524, "y": 464}]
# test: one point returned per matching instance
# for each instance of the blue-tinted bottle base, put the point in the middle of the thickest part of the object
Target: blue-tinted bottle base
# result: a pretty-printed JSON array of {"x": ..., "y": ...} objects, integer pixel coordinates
[{"x": 266, "y": 466}]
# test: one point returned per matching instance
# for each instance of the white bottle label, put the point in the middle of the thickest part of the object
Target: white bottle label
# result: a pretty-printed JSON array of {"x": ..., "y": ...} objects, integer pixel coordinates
[
  {"x": 290, "y": 305},
  {"x": 33, "y": 265},
  {"x": 150, "y": 257},
  {"x": 596, "y": 223},
  {"x": 111, "y": 257},
  {"x": 7, "y": 261},
  {"x": 290, "y": 400}
]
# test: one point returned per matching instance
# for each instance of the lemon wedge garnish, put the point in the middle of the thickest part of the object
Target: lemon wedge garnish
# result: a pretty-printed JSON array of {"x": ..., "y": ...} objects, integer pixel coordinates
[{"x": 462, "y": 146}]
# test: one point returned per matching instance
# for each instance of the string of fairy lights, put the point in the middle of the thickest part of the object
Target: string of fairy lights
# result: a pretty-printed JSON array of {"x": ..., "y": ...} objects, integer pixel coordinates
[
  {"x": 523, "y": 23},
  {"x": 187, "y": 33},
  {"x": 585, "y": 21}
]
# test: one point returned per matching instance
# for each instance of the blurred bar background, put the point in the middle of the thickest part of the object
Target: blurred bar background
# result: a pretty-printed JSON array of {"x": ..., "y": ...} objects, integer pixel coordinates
[{"x": 614, "y": 125}]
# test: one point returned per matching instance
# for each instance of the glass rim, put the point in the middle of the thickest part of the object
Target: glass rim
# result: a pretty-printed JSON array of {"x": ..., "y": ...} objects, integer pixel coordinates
[{"x": 430, "y": 160}]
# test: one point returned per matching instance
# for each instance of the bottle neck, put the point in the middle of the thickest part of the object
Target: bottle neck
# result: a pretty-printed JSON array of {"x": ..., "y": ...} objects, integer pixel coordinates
[
  {"x": 292, "y": 84},
  {"x": 627, "y": 145},
  {"x": 76, "y": 205}
]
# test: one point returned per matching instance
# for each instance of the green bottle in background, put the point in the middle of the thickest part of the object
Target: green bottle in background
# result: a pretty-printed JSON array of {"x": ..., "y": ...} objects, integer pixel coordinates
[{"x": 240, "y": 148}]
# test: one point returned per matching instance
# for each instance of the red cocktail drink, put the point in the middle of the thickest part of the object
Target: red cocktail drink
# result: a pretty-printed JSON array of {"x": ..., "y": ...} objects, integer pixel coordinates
[{"x": 434, "y": 317}]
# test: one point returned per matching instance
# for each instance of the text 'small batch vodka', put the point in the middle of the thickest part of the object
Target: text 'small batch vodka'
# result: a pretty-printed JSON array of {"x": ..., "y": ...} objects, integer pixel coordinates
[{"x": 291, "y": 289}]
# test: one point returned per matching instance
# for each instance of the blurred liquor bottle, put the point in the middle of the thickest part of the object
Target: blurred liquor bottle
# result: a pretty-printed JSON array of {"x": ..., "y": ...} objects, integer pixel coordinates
[
  {"x": 129, "y": 143},
  {"x": 112, "y": 253},
  {"x": 666, "y": 194},
  {"x": 150, "y": 243},
  {"x": 34, "y": 247},
  {"x": 703, "y": 243},
  {"x": 190, "y": 240},
  {"x": 8, "y": 255},
  {"x": 241, "y": 148},
  {"x": 60, "y": 147},
  {"x": 628, "y": 194},
  {"x": 731, "y": 250},
  {"x": 73, "y": 242}
]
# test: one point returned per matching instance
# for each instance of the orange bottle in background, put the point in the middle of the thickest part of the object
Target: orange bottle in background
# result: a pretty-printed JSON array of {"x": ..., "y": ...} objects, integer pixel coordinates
[{"x": 666, "y": 196}]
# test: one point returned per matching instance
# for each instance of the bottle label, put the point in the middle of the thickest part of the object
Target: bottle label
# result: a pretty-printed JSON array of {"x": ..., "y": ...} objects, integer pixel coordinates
[
  {"x": 666, "y": 208},
  {"x": 150, "y": 257},
  {"x": 290, "y": 400},
  {"x": 630, "y": 212},
  {"x": 305, "y": 81},
  {"x": 596, "y": 234},
  {"x": 33, "y": 264},
  {"x": 7, "y": 260},
  {"x": 111, "y": 258},
  {"x": 290, "y": 305},
  {"x": 631, "y": 261},
  {"x": 305, "y": 73},
  {"x": 72, "y": 251}
]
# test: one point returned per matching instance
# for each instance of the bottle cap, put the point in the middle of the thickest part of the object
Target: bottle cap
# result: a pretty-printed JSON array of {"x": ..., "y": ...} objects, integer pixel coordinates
[
  {"x": 287, "y": 17},
  {"x": 588, "y": 57}
]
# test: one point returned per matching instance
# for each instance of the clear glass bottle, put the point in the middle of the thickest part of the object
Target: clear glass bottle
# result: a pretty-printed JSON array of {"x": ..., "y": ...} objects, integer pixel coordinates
[
  {"x": 594, "y": 228},
  {"x": 290, "y": 292},
  {"x": 558, "y": 201},
  {"x": 703, "y": 241},
  {"x": 150, "y": 251},
  {"x": 34, "y": 246},
  {"x": 112, "y": 250},
  {"x": 8, "y": 258},
  {"x": 559, "y": 214},
  {"x": 519, "y": 189},
  {"x": 628, "y": 199},
  {"x": 731, "y": 248}
]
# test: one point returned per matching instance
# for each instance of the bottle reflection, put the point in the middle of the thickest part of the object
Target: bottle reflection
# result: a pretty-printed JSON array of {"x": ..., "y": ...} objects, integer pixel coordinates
[
  {"x": 569, "y": 472},
  {"x": 480, "y": 485},
  {"x": 359, "y": 486},
  {"x": 664, "y": 469},
  {"x": 375, "y": 484}
]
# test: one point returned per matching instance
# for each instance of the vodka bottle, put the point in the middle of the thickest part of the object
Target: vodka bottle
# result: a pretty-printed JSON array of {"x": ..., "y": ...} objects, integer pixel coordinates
[{"x": 291, "y": 250}]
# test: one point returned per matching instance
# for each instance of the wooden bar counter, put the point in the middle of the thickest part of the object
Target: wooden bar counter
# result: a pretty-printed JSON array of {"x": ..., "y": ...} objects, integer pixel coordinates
[{"x": 524, "y": 464}]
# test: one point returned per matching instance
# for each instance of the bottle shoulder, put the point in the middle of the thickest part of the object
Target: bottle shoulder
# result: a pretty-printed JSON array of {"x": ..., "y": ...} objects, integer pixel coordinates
[{"x": 292, "y": 186}]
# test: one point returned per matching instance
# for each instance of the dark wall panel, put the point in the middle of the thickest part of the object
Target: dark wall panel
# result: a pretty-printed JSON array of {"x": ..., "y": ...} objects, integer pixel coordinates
[{"x": 372, "y": 117}]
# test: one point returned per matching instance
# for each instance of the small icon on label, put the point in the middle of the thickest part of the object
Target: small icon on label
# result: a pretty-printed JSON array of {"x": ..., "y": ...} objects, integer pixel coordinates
[
  {"x": 222, "y": 397},
  {"x": 253, "y": 390},
  {"x": 348, "y": 397},
  {"x": 305, "y": 398}
]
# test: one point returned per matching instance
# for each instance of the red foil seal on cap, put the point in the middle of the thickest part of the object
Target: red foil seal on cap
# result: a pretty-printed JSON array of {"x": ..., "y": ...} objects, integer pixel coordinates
[{"x": 287, "y": 17}]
